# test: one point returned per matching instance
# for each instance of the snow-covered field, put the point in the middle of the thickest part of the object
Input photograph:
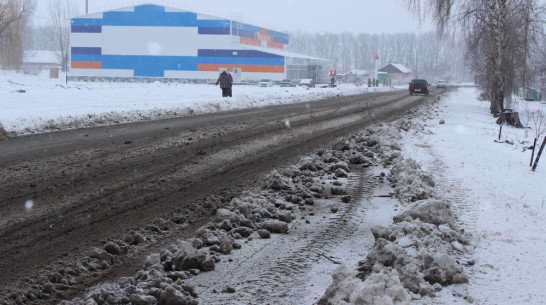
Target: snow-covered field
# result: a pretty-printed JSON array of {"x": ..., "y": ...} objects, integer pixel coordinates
[
  {"x": 31, "y": 104},
  {"x": 494, "y": 196}
]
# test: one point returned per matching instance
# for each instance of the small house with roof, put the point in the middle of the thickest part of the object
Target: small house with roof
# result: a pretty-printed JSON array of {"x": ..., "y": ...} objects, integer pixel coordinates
[
  {"x": 397, "y": 73},
  {"x": 34, "y": 62}
]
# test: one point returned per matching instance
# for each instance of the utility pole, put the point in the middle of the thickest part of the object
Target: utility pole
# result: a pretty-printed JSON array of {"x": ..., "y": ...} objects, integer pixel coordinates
[{"x": 86, "y": 7}]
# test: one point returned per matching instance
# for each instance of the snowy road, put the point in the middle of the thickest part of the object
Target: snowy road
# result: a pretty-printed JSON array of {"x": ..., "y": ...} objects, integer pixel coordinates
[{"x": 66, "y": 193}]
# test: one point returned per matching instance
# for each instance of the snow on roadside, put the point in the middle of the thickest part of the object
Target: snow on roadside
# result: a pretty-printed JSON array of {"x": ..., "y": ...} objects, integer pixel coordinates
[
  {"x": 495, "y": 195},
  {"x": 482, "y": 231},
  {"x": 420, "y": 252},
  {"x": 36, "y": 104}
]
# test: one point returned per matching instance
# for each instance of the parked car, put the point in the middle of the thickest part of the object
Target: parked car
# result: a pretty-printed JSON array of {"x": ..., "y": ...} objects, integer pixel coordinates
[
  {"x": 309, "y": 83},
  {"x": 419, "y": 86},
  {"x": 441, "y": 84},
  {"x": 266, "y": 83},
  {"x": 287, "y": 83}
]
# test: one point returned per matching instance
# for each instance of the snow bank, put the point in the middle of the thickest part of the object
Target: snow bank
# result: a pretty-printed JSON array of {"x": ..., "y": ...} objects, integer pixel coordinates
[
  {"x": 410, "y": 182},
  {"x": 382, "y": 287},
  {"x": 417, "y": 254},
  {"x": 37, "y": 104}
]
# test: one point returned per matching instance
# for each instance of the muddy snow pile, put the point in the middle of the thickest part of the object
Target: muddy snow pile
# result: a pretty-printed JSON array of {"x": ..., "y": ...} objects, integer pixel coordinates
[
  {"x": 417, "y": 254},
  {"x": 285, "y": 194}
]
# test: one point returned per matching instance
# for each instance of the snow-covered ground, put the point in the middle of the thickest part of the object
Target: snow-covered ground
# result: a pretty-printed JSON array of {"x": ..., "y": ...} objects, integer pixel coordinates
[
  {"x": 31, "y": 104},
  {"x": 495, "y": 197}
]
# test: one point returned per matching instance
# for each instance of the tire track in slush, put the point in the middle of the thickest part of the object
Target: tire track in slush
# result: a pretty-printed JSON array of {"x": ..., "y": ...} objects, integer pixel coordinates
[
  {"x": 265, "y": 276},
  {"x": 463, "y": 210},
  {"x": 320, "y": 243}
]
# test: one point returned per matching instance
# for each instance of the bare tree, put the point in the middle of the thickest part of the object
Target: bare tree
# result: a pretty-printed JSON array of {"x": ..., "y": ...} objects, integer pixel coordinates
[
  {"x": 537, "y": 118},
  {"x": 493, "y": 29},
  {"x": 39, "y": 38},
  {"x": 440, "y": 56},
  {"x": 532, "y": 31},
  {"x": 14, "y": 17},
  {"x": 60, "y": 12}
]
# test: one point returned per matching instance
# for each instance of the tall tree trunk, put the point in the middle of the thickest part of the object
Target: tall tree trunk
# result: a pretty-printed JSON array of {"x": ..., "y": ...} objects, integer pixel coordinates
[
  {"x": 524, "y": 79},
  {"x": 498, "y": 14}
]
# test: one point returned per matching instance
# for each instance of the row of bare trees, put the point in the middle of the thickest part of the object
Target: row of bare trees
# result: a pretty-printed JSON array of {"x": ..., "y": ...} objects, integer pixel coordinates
[
  {"x": 60, "y": 13},
  {"x": 17, "y": 35},
  {"x": 429, "y": 54},
  {"x": 504, "y": 40},
  {"x": 14, "y": 18}
]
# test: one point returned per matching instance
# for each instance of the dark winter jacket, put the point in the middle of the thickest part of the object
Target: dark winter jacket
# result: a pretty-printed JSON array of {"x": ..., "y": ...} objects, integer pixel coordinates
[
  {"x": 230, "y": 80},
  {"x": 224, "y": 80}
]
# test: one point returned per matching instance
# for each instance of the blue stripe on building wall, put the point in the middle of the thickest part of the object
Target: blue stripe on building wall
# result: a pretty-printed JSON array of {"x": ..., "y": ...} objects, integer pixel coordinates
[
  {"x": 246, "y": 27},
  {"x": 85, "y": 29},
  {"x": 86, "y": 22},
  {"x": 213, "y": 31},
  {"x": 151, "y": 66},
  {"x": 243, "y": 33},
  {"x": 142, "y": 17},
  {"x": 154, "y": 15},
  {"x": 279, "y": 37},
  {"x": 86, "y": 50},
  {"x": 242, "y": 61},
  {"x": 175, "y": 62},
  {"x": 216, "y": 23},
  {"x": 245, "y": 30},
  {"x": 154, "y": 66},
  {"x": 235, "y": 53},
  {"x": 150, "y": 15},
  {"x": 280, "y": 40}
]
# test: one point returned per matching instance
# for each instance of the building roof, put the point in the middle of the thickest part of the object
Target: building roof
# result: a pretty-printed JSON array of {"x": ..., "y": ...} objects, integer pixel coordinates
[
  {"x": 41, "y": 57},
  {"x": 282, "y": 52},
  {"x": 396, "y": 68},
  {"x": 150, "y": 14}
]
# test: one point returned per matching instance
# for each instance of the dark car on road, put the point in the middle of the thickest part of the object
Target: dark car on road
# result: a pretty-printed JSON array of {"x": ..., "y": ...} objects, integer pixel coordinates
[{"x": 419, "y": 86}]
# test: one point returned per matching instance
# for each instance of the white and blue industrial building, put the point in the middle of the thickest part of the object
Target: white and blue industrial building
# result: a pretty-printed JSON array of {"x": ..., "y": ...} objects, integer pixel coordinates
[{"x": 156, "y": 42}]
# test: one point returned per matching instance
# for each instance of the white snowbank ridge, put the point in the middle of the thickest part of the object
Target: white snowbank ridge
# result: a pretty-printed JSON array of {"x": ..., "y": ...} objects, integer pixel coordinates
[{"x": 35, "y": 104}]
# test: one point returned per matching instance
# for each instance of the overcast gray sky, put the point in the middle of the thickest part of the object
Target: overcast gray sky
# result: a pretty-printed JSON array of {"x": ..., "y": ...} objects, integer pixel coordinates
[{"x": 355, "y": 16}]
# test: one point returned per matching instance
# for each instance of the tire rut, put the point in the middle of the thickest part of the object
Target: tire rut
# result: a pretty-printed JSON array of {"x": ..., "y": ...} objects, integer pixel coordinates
[{"x": 279, "y": 278}]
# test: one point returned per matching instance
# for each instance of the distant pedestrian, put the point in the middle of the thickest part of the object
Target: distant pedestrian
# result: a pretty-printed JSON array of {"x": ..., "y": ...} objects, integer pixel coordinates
[
  {"x": 230, "y": 84},
  {"x": 333, "y": 82},
  {"x": 224, "y": 82}
]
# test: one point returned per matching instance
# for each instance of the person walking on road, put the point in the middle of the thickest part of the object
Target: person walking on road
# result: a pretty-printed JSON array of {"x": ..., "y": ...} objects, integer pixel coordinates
[
  {"x": 224, "y": 82},
  {"x": 230, "y": 84}
]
